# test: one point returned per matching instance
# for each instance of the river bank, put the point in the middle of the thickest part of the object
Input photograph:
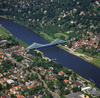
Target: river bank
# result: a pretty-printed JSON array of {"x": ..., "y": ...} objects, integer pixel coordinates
[
  {"x": 83, "y": 56},
  {"x": 6, "y": 33},
  {"x": 90, "y": 59}
]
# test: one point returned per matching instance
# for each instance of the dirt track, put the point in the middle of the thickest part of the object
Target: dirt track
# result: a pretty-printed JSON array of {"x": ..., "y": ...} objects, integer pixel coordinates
[{"x": 79, "y": 54}]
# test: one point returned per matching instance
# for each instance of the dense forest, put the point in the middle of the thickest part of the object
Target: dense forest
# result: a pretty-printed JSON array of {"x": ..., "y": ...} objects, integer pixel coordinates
[{"x": 55, "y": 16}]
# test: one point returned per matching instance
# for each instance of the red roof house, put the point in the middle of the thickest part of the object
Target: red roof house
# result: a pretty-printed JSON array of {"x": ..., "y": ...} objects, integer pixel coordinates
[{"x": 60, "y": 73}]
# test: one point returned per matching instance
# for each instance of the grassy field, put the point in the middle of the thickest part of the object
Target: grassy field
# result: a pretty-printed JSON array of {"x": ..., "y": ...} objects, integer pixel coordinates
[
  {"x": 82, "y": 57},
  {"x": 96, "y": 61},
  {"x": 80, "y": 51},
  {"x": 22, "y": 43},
  {"x": 46, "y": 36},
  {"x": 59, "y": 34},
  {"x": 4, "y": 33},
  {"x": 62, "y": 47}
]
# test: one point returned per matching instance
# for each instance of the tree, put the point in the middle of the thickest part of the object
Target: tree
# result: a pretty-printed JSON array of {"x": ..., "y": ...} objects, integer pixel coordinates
[
  {"x": 86, "y": 82},
  {"x": 99, "y": 54},
  {"x": 67, "y": 91},
  {"x": 20, "y": 58},
  {"x": 8, "y": 86},
  {"x": 75, "y": 89},
  {"x": 70, "y": 45},
  {"x": 13, "y": 96},
  {"x": 0, "y": 87},
  {"x": 62, "y": 37},
  {"x": 74, "y": 75}
]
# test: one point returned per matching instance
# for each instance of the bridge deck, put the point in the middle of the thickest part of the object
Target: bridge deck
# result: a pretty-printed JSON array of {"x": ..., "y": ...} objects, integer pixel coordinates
[{"x": 37, "y": 45}]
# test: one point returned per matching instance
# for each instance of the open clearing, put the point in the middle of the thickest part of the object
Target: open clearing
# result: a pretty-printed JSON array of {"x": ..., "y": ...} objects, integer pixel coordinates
[{"x": 59, "y": 34}]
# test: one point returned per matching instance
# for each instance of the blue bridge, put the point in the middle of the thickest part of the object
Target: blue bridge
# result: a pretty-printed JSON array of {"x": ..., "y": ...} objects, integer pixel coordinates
[{"x": 55, "y": 42}]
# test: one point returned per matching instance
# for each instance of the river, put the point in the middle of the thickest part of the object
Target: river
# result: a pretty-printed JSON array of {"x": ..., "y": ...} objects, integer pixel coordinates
[{"x": 81, "y": 67}]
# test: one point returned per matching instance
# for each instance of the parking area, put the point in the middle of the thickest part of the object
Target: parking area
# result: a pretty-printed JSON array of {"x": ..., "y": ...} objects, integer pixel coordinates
[{"x": 75, "y": 95}]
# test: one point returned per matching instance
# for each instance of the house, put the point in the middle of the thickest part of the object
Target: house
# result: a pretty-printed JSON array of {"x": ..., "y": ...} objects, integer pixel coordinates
[
  {"x": 4, "y": 57},
  {"x": 14, "y": 76},
  {"x": 56, "y": 86},
  {"x": 3, "y": 96},
  {"x": 35, "y": 67},
  {"x": 3, "y": 43},
  {"x": 13, "y": 90},
  {"x": 57, "y": 91},
  {"x": 65, "y": 80},
  {"x": 18, "y": 87},
  {"x": 40, "y": 96},
  {"x": 35, "y": 81},
  {"x": 0, "y": 57},
  {"x": 41, "y": 68},
  {"x": 1, "y": 75},
  {"x": 85, "y": 88},
  {"x": 94, "y": 92},
  {"x": 6, "y": 91},
  {"x": 22, "y": 89},
  {"x": 9, "y": 93},
  {"x": 68, "y": 87},
  {"x": 36, "y": 96},
  {"x": 19, "y": 96},
  {"x": 73, "y": 85},
  {"x": 65, "y": 75},
  {"x": 27, "y": 83},
  {"x": 82, "y": 13},
  {"x": 39, "y": 83},
  {"x": 47, "y": 81},
  {"x": 74, "y": 10},
  {"x": 66, "y": 46},
  {"x": 10, "y": 81},
  {"x": 32, "y": 85},
  {"x": 95, "y": 45},
  {"x": 42, "y": 72},
  {"x": 61, "y": 73},
  {"x": 79, "y": 84},
  {"x": 50, "y": 68},
  {"x": 3, "y": 82},
  {"x": 46, "y": 93},
  {"x": 97, "y": 2},
  {"x": 22, "y": 76},
  {"x": 45, "y": 11},
  {"x": 47, "y": 76}
]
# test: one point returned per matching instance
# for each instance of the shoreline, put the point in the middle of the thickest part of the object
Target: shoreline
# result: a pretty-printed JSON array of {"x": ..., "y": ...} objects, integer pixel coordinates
[
  {"x": 22, "y": 24},
  {"x": 85, "y": 57},
  {"x": 80, "y": 55}
]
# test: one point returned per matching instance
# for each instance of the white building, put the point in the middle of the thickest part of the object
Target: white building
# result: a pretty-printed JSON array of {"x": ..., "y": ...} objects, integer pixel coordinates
[
  {"x": 85, "y": 88},
  {"x": 10, "y": 81}
]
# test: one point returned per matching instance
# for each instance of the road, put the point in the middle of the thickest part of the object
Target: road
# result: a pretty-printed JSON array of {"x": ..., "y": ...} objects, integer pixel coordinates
[
  {"x": 55, "y": 95},
  {"x": 14, "y": 60}
]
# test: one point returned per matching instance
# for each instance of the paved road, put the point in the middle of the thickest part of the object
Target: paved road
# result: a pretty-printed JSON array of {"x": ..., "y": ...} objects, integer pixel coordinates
[{"x": 14, "y": 60}]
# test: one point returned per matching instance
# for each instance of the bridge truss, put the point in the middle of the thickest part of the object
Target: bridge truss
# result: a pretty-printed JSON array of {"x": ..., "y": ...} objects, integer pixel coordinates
[{"x": 37, "y": 45}]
